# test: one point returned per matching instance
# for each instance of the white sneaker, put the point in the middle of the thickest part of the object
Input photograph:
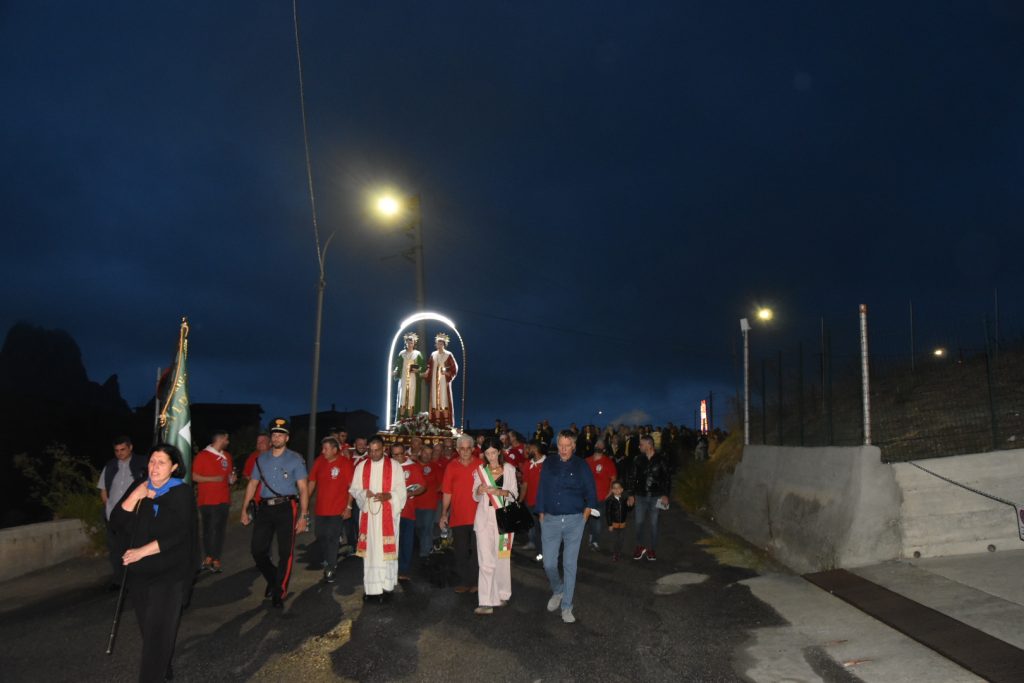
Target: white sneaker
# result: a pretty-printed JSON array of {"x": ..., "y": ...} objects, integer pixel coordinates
[
  {"x": 554, "y": 602},
  {"x": 567, "y": 616}
]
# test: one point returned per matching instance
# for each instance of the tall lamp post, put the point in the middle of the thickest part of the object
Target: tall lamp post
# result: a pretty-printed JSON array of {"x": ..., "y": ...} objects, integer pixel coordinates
[
  {"x": 321, "y": 284},
  {"x": 745, "y": 329},
  {"x": 764, "y": 315}
]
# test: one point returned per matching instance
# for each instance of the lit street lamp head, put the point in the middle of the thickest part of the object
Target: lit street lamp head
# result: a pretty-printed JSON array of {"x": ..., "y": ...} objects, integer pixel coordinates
[
  {"x": 388, "y": 206},
  {"x": 765, "y": 314}
]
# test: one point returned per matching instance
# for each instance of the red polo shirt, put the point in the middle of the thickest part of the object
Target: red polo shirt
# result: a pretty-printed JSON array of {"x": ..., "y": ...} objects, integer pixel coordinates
[
  {"x": 433, "y": 474},
  {"x": 333, "y": 479},
  {"x": 604, "y": 474},
  {"x": 458, "y": 482},
  {"x": 531, "y": 475},
  {"x": 413, "y": 473},
  {"x": 516, "y": 456},
  {"x": 209, "y": 464}
]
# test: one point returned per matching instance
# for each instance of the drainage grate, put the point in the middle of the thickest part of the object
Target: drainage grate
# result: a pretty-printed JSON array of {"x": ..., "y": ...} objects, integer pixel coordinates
[{"x": 984, "y": 655}]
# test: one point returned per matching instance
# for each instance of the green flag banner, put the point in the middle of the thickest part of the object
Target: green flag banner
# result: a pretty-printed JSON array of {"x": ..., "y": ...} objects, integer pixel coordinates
[{"x": 175, "y": 414}]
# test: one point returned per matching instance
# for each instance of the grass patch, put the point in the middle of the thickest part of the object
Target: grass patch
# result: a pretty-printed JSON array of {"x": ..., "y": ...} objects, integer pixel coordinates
[{"x": 736, "y": 553}]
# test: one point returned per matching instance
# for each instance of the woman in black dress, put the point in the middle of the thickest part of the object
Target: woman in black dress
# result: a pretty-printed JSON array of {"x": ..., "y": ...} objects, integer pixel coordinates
[{"x": 159, "y": 516}]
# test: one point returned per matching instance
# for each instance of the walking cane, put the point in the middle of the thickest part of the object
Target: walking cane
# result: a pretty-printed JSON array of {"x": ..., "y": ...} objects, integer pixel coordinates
[{"x": 124, "y": 583}]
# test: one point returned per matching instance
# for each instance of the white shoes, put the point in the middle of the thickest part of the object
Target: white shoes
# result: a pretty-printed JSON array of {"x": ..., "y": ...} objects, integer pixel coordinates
[
  {"x": 567, "y": 616},
  {"x": 555, "y": 602}
]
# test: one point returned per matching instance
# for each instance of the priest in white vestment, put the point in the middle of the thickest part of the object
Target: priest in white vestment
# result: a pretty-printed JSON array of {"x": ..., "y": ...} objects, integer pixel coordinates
[{"x": 378, "y": 486}]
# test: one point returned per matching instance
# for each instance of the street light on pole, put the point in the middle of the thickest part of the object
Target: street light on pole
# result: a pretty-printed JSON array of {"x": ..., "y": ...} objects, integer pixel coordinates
[
  {"x": 765, "y": 315},
  {"x": 745, "y": 329}
]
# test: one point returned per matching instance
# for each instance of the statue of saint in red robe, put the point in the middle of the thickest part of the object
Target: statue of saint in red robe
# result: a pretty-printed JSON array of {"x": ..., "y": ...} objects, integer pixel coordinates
[{"x": 441, "y": 370}]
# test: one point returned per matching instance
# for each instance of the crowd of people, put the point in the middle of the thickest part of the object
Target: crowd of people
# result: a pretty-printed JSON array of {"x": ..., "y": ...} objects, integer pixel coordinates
[{"x": 386, "y": 504}]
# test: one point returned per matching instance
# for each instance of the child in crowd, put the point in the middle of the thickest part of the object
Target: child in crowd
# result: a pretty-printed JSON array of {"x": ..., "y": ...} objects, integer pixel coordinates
[{"x": 615, "y": 511}]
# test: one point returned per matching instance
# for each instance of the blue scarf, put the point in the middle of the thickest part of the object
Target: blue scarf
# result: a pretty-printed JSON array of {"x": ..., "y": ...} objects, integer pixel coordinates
[{"x": 161, "y": 490}]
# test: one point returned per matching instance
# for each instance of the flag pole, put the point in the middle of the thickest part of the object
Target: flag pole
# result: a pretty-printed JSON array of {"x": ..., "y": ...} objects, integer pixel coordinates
[{"x": 156, "y": 408}]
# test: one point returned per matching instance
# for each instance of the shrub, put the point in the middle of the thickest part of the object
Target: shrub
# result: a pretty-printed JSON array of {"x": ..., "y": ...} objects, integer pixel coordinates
[
  {"x": 66, "y": 485},
  {"x": 696, "y": 480}
]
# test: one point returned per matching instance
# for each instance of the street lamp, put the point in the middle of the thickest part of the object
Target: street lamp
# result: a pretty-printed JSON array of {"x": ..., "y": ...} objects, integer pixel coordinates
[
  {"x": 764, "y": 314},
  {"x": 745, "y": 329}
]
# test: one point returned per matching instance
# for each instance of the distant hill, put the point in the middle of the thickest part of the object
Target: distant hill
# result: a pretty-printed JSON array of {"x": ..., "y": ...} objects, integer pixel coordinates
[{"x": 46, "y": 397}]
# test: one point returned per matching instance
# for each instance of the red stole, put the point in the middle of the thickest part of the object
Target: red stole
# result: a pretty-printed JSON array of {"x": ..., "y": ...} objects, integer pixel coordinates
[{"x": 388, "y": 520}]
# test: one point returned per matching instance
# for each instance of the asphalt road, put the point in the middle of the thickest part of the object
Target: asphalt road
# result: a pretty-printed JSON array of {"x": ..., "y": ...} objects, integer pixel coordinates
[{"x": 682, "y": 618}]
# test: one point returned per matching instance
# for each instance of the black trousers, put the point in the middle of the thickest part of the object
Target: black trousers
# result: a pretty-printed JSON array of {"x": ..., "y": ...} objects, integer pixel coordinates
[
  {"x": 115, "y": 551},
  {"x": 215, "y": 523},
  {"x": 328, "y": 537},
  {"x": 158, "y": 611},
  {"x": 274, "y": 520},
  {"x": 464, "y": 547}
]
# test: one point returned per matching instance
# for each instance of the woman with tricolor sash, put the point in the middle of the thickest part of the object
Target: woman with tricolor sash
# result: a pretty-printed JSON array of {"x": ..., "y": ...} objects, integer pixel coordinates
[{"x": 494, "y": 483}]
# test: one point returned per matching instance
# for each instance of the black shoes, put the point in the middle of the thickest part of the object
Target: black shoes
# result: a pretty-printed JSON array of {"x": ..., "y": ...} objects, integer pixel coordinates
[{"x": 329, "y": 576}]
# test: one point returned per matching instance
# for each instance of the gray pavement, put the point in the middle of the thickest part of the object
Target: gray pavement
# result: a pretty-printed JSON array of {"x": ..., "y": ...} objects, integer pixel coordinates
[{"x": 709, "y": 609}]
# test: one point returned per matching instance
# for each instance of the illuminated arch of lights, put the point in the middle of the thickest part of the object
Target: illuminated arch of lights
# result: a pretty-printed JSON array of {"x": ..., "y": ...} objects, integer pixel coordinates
[{"x": 391, "y": 355}]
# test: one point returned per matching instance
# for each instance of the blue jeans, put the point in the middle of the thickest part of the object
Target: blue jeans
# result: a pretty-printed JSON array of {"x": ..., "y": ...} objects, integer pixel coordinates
[
  {"x": 646, "y": 509},
  {"x": 562, "y": 532},
  {"x": 406, "y": 531},
  {"x": 425, "y": 530}
]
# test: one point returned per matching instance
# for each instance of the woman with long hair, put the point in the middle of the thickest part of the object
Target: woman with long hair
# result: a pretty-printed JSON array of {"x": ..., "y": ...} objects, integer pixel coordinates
[{"x": 494, "y": 483}]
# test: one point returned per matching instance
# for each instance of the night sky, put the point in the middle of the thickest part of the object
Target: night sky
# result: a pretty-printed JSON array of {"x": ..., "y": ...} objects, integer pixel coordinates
[{"x": 606, "y": 187}]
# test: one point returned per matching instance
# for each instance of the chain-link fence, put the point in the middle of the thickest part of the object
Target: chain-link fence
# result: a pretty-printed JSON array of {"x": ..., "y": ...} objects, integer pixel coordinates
[{"x": 947, "y": 399}]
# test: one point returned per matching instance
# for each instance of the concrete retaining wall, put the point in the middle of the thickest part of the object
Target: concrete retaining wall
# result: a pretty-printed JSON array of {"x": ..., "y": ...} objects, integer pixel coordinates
[
  {"x": 814, "y": 508},
  {"x": 939, "y": 519},
  {"x": 34, "y": 546},
  {"x": 820, "y": 508}
]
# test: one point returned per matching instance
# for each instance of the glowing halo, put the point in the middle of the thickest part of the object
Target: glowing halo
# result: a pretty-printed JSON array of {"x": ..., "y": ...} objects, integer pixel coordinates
[{"x": 415, "y": 318}]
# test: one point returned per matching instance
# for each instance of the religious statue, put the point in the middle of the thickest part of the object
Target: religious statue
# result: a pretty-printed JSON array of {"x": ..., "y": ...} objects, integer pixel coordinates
[
  {"x": 407, "y": 368},
  {"x": 441, "y": 370}
]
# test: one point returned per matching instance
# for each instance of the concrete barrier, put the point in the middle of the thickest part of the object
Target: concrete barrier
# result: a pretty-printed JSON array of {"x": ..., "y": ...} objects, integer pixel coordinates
[
  {"x": 821, "y": 508},
  {"x": 813, "y": 508},
  {"x": 938, "y": 518},
  {"x": 35, "y": 546}
]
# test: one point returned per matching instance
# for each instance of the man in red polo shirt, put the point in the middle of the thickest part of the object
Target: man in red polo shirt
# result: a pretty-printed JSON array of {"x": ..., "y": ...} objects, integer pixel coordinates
[
  {"x": 214, "y": 473},
  {"x": 330, "y": 480},
  {"x": 426, "y": 503},
  {"x": 605, "y": 472},
  {"x": 531, "y": 480},
  {"x": 415, "y": 485},
  {"x": 516, "y": 453},
  {"x": 458, "y": 509}
]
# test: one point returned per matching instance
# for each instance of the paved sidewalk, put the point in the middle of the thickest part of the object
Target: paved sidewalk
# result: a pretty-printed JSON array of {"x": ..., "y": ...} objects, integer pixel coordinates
[{"x": 985, "y": 591}]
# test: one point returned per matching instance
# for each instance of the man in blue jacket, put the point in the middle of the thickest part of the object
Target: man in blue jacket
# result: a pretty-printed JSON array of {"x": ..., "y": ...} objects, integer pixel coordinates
[{"x": 565, "y": 496}]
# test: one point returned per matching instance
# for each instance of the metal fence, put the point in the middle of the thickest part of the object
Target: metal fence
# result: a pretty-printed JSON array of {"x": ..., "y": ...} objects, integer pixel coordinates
[{"x": 947, "y": 399}]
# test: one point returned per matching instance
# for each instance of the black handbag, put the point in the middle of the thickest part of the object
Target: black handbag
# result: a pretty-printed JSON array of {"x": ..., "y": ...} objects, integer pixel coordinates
[{"x": 514, "y": 518}]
